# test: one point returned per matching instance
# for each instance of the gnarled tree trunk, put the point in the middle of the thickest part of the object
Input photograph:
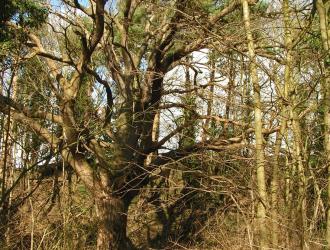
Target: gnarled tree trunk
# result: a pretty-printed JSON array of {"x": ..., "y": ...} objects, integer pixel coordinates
[
  {"x": 111, "y": 205},
  {"x": 112, "y": 223}
]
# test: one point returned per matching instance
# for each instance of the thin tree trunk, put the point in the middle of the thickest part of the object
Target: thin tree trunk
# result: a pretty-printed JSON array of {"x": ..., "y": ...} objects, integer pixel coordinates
[
  {"x": 260, "y": 158},
  {"x": 296, "y": 129},
  {"x": 206, "y": 125},
  {"x": 7, "y": 164},
  {"x": 275, "y": 181},
  {"x": 188, "y": 134},
  {"x": 231, "y": 82},
  {"x": 155, "y": 136},
  {"x": 323, "y": 11},
  {"x": 298, "y": 161},
  {"x": 32, "y": 217}
]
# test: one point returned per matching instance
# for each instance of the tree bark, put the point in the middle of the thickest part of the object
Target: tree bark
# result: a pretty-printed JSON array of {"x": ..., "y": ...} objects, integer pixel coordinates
[
  {"x": 260, "y": 157},
  {"x": 323, "y": 11},
  {"x": 112, "y": 223},
  {"x": 290, "y": 92},
  {"x": 231, "y": 83},
  {"x": 111, "y": 208},
  {"x": 275, "y": 179},
  {"x": 206, "y": 125},
  {"x": 8, "y": 162}
]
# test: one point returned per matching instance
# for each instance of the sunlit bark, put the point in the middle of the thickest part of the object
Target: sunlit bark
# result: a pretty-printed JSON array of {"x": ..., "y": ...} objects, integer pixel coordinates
[
  {"x": 260, "y": 157},
  {"x": 323, "y": 8}
]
